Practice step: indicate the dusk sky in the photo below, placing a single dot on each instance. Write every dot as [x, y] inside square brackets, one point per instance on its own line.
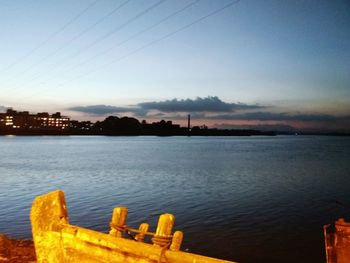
[227, 63]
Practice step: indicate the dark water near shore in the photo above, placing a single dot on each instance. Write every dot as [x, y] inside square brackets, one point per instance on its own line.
[249, 199]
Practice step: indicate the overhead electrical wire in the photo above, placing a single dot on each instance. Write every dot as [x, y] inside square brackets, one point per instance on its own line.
[77, 36]
[111, 32]
[104, 52]
[116, 29]
[151, 43]
[52, 36]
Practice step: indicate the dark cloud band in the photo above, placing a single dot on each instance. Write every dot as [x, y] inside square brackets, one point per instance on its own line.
[269, 116]
[207, 108]
[208, 104]
[101, 109]
[198, 105]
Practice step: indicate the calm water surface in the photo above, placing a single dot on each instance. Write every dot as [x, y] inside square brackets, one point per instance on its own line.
[249, 199]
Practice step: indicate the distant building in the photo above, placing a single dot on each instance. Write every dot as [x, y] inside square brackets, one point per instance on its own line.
[41, 121]
[81, 125]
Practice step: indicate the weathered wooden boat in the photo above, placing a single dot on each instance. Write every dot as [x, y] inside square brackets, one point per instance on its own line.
[56, 240]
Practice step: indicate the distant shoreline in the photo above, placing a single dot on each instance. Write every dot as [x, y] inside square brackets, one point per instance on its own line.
[25, 124]
[219, 134]
[165, 134]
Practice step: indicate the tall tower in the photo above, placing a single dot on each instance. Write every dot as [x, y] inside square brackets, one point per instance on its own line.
[189, 122]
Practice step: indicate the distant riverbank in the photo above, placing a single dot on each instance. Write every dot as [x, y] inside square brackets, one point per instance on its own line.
[180, 132]
[208, 133]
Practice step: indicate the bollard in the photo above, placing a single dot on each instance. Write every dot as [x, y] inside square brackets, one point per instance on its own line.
[143, 229]
[118, 221]
[177, 240]
[162, 236]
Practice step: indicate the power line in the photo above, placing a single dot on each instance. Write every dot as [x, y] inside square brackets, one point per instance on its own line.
[76, 36]
[151, 43]
[50, 37]
[114, 30]
[129, 39]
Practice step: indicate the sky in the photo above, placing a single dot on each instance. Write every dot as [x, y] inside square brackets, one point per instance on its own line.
[228, 63]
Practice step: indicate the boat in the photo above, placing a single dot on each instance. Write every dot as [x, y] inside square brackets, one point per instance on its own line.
[56, 240]
[337, 243]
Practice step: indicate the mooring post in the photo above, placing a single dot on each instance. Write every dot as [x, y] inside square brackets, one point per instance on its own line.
[143, 229]
[176, 241]
[162, 236]
[118, 221]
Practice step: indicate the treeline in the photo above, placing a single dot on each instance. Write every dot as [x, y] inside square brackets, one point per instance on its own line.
[113, 125]
[127, 126]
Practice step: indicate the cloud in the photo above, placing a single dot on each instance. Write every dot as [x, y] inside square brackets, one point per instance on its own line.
[208, 104]
[211, 108]
[101, 109]
[269, 116]
[193, 106]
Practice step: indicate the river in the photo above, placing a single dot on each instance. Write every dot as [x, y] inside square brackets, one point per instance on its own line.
[248, 199]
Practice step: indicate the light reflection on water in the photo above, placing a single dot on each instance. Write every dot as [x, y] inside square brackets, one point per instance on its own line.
[250, 199]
